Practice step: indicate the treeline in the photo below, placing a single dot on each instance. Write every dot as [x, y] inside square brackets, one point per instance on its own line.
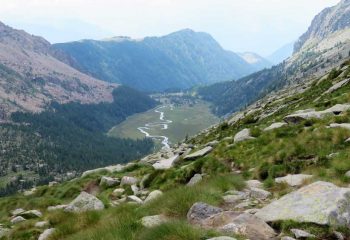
[72, 137]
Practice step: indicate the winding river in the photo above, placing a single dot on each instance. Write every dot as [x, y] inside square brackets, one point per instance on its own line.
[162, 123]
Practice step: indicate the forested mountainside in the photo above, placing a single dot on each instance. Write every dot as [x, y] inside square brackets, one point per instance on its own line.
[324, 46]
[277, 170]
[177, 61]
[30, 77]
[67, 139]
[54, 119]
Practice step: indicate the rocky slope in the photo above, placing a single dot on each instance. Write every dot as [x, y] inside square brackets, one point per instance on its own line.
[30, 77]
[324, 46]
[277, 170]
[179, 60]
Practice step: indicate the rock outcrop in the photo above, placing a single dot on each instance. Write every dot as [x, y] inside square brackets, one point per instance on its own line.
[243, 136]
[293, 180]
[199, 153]
[320, 203]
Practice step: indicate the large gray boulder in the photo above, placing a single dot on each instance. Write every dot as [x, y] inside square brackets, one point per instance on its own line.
[243, 136]
[320, 203]
[17, 219]
[200, 211]
[338, 108]
[199, 153]
[85, 202]
[166, 163]
[293, 180]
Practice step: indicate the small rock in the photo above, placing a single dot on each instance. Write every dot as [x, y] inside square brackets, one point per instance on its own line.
[41, 224]
[85, 202]
[118, 192]
[212, 143]
[259, 193]
[200, 211]
[134, 199]
[17, 211]
[126, 180]
[53, 183]
[302, 234]
[287, 238]
[340, 125]
[46, 234]
[195, 179]
[31, 214]
[222, 238]
[153, 195]
[57, 207]
[243, 136]
[338, 235]
[293, 180]
[254, 184]
[109, 181]
[3, 231]
[347, 140]
[29, 192]
[135, 190]
[153, 221]
[275, 126]
[347, 174]
[17, 219]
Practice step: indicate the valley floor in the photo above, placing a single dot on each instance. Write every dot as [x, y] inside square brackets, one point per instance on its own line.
[186, 120]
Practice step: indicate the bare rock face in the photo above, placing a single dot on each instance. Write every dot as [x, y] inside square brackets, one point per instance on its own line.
[85, 202]
[320, 202]
[126, 180]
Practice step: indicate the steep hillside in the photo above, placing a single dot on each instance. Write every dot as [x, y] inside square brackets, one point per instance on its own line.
[316, 52]
[256, 61]
[277, 170]
[179, 60]
[30, 77]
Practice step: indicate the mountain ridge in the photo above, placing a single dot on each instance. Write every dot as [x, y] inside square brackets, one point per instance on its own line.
[178, 60]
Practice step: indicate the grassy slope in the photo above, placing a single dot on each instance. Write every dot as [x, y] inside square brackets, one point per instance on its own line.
[187, 120]
[301, 148]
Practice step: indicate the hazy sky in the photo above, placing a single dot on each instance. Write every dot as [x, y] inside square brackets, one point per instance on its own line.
[260, 26]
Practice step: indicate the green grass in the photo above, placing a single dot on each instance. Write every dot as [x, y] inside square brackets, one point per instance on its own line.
[187, 120]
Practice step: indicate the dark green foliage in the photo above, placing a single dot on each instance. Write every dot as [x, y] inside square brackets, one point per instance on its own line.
[72, 137]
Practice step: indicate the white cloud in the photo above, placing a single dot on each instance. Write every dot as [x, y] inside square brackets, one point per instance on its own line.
[255, 25]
